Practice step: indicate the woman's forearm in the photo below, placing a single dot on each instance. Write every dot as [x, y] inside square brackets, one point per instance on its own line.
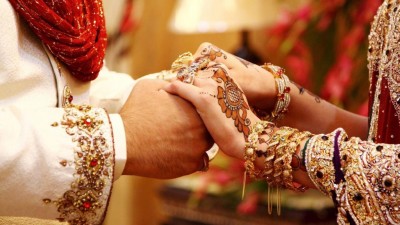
[309, 112]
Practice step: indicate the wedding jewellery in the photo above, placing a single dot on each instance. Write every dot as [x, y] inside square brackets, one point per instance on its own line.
[282, 83]
[278, 147]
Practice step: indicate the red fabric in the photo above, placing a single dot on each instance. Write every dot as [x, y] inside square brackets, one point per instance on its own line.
[388, 124]
[388, 130]
[73, 30]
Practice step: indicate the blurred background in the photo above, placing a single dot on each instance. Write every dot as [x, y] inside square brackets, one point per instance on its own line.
[322, 44]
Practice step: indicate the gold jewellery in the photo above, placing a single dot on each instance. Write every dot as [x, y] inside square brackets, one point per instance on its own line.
[278, 147]
[282, 83]
[181, 63]
[186, 67]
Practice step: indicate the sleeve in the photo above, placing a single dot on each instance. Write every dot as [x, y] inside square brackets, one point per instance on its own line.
[56, 163]
[111, 89]
[362, 177]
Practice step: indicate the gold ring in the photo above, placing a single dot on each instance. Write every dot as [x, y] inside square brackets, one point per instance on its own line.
[183, 61]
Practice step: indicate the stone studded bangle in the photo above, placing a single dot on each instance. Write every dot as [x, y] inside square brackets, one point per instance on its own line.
[282, 83]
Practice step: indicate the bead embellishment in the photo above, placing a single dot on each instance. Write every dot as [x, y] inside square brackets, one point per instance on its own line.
[369, 186]
[383, 60]
[86, 200]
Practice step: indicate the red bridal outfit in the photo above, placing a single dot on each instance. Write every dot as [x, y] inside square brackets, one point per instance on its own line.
[363, 177]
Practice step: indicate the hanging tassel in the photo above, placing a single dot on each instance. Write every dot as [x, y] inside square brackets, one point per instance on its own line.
[244, 184]
[269, 202]
[278, 201]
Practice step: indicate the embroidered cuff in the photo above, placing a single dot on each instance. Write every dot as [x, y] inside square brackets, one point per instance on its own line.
[320, 160]
[370, 192]
[87, 198]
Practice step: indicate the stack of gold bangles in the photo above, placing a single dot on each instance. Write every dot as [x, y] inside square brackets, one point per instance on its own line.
[278, 149]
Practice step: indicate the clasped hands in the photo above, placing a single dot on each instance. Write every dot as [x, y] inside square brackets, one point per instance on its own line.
[212, 82]
[167, 138]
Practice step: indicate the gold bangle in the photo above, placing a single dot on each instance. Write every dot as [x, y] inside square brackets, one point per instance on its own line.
[275, 167]
[282, 83]
[268, 172]
[251, 148]
[294, 142]
[281, 157]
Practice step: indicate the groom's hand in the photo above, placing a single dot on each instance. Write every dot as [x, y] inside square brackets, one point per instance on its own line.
[165, 136]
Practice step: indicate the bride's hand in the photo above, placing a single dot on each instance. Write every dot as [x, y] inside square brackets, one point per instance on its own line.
[257, 83]
[221, 104]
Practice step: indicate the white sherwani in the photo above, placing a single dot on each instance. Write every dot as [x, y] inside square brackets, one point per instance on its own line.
[39, 159]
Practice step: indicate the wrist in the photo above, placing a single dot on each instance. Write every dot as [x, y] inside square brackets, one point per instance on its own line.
[266, 94]
[241, 140]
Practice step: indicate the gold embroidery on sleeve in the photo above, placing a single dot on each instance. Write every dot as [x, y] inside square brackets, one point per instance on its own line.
[86, 200]
[369, 189]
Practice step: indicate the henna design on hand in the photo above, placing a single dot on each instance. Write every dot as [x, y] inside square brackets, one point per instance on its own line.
[207, 93]
[212, 52]
[231, 99]
[245, 62]
[302, 90]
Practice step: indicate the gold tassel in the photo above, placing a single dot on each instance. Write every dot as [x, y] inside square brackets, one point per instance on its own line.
[269, 202]
[244, 184]
[278, 201]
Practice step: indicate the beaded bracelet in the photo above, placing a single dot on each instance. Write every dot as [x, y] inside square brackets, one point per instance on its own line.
[303, 154]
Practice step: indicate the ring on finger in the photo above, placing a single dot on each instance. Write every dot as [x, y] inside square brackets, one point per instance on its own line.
[206, 163]
[212, 152]
[186, 77]
[187, 74]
